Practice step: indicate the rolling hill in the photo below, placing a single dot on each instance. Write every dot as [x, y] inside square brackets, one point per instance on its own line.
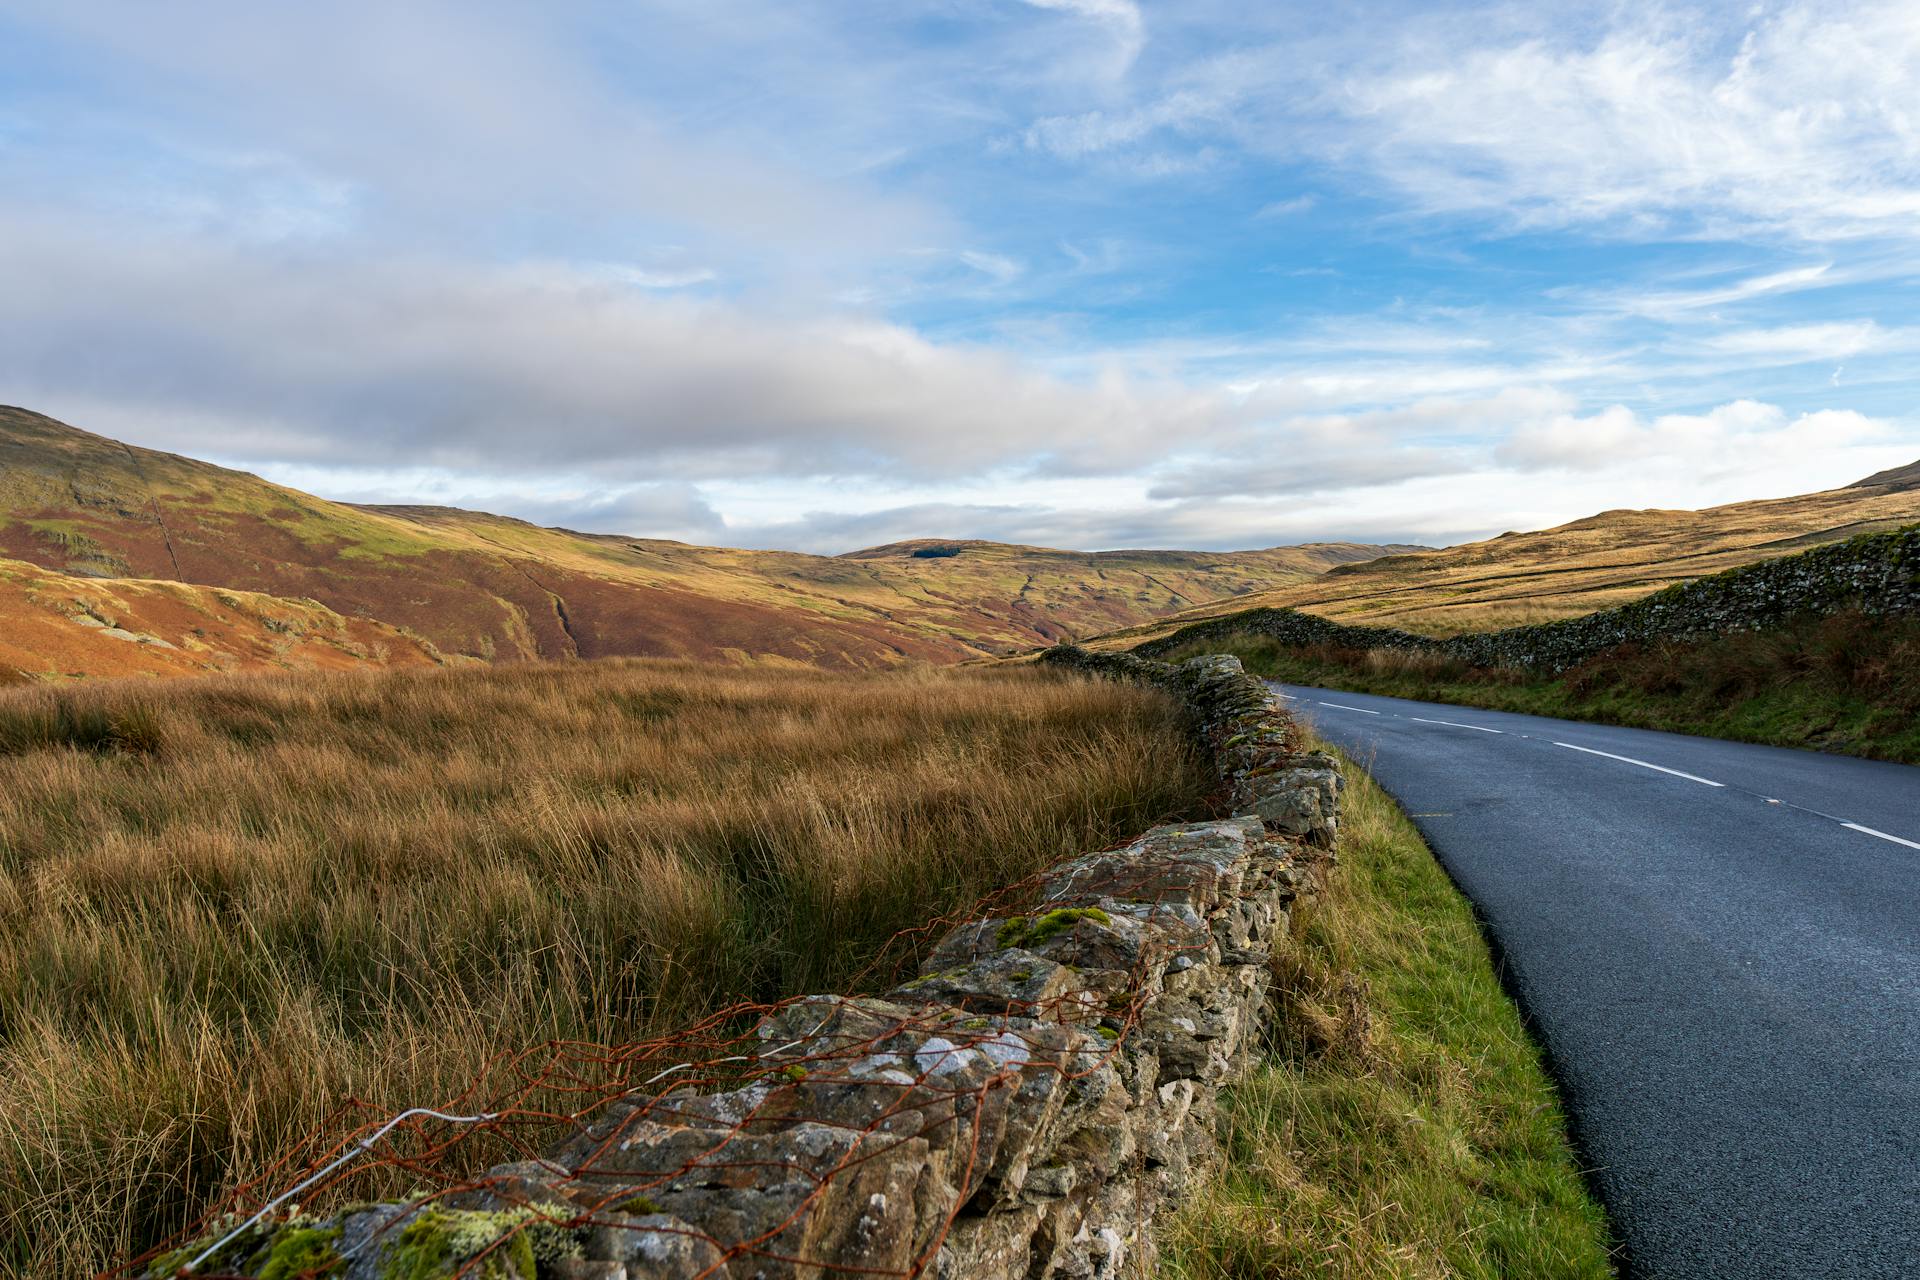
[83, 517]
[65, 625]
[1572, 569]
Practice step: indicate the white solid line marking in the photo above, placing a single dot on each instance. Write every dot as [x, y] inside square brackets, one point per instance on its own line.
[1454, 724]
[1658, 768]
[1869, 831]
[1341, 706]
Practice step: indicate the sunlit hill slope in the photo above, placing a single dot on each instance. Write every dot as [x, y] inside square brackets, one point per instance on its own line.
[84, 518]
[1573, 569]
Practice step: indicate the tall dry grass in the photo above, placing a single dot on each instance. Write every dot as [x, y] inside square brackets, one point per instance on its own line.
[227, 905]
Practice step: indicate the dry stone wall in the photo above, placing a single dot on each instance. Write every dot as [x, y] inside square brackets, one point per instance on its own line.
[1878, 573]
[1018, 1111]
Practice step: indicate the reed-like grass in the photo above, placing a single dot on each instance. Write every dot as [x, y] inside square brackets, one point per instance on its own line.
[227, 905]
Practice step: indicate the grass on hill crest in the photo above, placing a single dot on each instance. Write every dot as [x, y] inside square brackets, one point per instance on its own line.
[1545, 575]
[1403, 1123]
[228, 904]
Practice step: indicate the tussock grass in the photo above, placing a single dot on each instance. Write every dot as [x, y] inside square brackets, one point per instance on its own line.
[1403, 1124]
[1845, 682]
[227, 905]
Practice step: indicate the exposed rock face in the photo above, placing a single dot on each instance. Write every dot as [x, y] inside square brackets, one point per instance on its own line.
[1878, 572]
[1019, 1110]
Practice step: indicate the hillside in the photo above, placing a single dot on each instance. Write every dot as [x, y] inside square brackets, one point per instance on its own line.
[1596, 563]
[1819, 649]
[495, 588]
[57, 624]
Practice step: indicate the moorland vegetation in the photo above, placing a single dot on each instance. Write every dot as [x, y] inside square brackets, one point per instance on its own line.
[227, 904]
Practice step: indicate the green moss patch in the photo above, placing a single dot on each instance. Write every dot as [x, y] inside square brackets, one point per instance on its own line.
[1022, 932]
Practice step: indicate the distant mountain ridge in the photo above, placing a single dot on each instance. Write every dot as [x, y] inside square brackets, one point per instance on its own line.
[420, 583]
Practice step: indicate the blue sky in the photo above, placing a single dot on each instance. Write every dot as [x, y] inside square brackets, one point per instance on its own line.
[1082, 272]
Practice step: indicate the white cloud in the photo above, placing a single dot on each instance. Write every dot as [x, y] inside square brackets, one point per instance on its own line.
[1363, 449]
[1805, 125]
[1822, 342]
[1741, 437]
[659, 277]
[1287, 208]
[470, 367]
[1796, 119]
[998, 266]
[1121, 17]
[458, 112]
[1092, 132]
[1684, 304]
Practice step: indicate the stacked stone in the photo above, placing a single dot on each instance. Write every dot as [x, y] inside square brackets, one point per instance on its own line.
[1020, 1110]
[1252, 743]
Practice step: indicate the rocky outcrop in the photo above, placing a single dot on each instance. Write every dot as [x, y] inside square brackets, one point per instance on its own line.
[1877, 573]
[1018, 1110]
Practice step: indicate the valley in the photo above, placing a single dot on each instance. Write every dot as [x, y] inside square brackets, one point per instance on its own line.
[411, 584]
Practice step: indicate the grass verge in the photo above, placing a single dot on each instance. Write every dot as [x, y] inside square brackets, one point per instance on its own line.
[1846, 683]
[1403, 1123]
[227, 905]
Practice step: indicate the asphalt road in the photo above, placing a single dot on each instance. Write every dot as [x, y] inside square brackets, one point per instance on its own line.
[1721, 955]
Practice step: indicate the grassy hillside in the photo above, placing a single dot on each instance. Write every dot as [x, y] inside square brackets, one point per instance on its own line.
[56, 625]
[490, 587]
[1572, 569]
[1846, 683]
[226, 905]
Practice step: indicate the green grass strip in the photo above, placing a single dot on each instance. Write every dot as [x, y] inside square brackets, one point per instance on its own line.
[1403, 1123]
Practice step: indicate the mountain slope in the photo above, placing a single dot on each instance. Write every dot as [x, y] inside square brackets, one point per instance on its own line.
[495, 588]
[1577, 568]
[1907, 477]
[57, 624]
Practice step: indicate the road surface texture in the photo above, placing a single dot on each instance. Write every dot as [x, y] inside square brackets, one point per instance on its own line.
[1719, 946]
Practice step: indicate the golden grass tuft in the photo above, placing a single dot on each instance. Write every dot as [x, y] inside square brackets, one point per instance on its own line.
[225, 906]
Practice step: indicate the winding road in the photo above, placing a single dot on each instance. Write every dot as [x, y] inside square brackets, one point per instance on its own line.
[1719, 946]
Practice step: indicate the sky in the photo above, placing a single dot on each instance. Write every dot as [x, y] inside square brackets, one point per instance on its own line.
[823, 274]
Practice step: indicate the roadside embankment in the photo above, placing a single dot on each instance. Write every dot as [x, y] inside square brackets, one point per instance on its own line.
[1021, 1109]
[1876, 574]
[1818, 650]
[1846, 683]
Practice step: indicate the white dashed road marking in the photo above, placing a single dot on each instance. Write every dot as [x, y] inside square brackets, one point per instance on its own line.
[1869, 831]
[1643, 764]
[1453, 724]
